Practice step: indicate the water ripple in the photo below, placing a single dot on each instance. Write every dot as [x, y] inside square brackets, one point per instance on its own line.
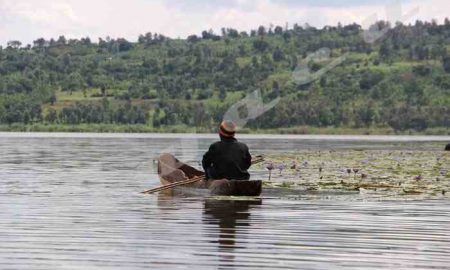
[73, 203]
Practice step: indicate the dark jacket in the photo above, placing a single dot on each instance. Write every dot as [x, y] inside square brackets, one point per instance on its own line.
[227, 159]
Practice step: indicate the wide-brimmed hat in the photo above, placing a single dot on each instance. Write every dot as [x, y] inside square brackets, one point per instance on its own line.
[227, 129]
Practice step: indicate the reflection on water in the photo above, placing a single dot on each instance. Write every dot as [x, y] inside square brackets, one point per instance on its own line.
[73, 202]
[228, 216]
[306, 234]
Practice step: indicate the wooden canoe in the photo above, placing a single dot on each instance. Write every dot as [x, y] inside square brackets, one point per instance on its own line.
[172, 170]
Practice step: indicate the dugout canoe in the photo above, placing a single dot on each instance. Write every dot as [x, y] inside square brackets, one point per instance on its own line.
[171, 170]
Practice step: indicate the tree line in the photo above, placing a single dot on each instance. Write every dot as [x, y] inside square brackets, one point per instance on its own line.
[401, 80]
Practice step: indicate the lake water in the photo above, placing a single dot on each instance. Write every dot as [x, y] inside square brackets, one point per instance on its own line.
[72, 201]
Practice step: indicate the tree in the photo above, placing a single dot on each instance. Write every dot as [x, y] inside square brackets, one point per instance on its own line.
[369, 79]
[242, 50]
[385, 50]
[262, 31]
[446, 64]
[286, 36]
[52, 99]
[210, 35]
[244, 34]
[144, 39]
[255, 62]
[103, 91]
[85, 41]
[278, 55]
[74, 82]
[61, 40]
[40, 43]
[193, 38]
[206, 35]
[275, 90]
[232, 33]
[51, 116]
[15, 44]
[260, 45]
[278, 30]
[124, 45]
[222, 93]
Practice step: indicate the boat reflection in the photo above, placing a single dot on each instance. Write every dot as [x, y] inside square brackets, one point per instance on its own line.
[225, 222]
[231, 218]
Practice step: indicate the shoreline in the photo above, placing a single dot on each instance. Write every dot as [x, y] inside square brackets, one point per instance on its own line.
[302, 130]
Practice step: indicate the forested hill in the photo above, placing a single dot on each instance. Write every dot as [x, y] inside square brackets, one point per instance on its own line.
[401, 80]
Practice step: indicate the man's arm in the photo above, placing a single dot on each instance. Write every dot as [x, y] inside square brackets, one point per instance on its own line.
[207, 158]
[248, 158]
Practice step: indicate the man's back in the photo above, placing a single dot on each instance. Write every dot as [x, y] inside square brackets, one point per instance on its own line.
[227, 159]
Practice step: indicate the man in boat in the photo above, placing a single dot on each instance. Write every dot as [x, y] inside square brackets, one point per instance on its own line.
[227, 158]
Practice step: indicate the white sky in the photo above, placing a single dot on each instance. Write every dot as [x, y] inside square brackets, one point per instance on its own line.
[27, 20]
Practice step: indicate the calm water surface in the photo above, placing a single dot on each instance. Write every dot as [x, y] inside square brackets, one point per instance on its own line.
[72, 201]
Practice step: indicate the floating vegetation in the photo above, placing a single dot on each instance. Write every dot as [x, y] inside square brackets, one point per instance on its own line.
[392, 172]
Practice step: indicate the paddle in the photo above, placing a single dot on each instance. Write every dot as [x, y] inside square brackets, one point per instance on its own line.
[189, 181]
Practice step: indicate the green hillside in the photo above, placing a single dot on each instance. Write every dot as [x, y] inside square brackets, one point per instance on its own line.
[399, 82]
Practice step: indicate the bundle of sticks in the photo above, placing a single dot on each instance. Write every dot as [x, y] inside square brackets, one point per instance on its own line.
[258, 159]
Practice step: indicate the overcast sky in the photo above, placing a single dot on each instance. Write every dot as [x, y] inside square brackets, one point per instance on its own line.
[27, 20]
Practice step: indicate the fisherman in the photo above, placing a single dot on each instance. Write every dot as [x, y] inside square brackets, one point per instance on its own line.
[228, 158]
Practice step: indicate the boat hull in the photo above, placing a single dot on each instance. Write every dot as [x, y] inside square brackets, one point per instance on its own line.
[171, 170]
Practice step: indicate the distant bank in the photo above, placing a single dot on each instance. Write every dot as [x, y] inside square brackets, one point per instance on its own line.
[110, 128]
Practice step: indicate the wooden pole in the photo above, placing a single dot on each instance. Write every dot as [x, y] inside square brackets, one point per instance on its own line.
[175, 184]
